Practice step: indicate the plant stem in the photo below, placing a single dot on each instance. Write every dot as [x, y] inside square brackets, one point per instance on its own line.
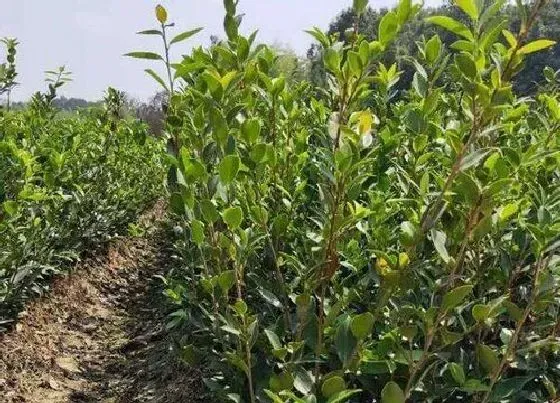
[430, 215]
[250, 373]
[540, 264]
[176, 142]
[320, 325]
[167, 63]
[427, 345]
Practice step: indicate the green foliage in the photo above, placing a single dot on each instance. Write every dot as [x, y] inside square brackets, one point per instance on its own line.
[338, 244]
[413, 34]
[66, 185]
[8, 71]
[161, 17]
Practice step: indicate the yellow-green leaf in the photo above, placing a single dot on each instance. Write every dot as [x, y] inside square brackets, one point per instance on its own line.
[228, 168]
[332, 386]
[161, 14]
[392, 393]
[362, 325]
[508, 210]
[233, 217]
[510, 38]
[536, 46]
[469, 7]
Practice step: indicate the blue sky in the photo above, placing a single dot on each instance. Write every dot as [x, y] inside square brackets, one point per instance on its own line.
[90, 36]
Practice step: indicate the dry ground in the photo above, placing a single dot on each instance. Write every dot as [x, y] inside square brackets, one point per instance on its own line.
[99, 335]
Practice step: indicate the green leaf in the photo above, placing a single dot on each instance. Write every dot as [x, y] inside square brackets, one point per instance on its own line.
[408, 233]
[455, 297]
[491, 11]
[226, 280]
[452, 25]
[319, 36]
[342, 396]
[355, 62]
[388, 28]
[237, 361]
[251, 130]
[404, 10]
[150, 32]
[377, 367]
[209, 211]
[420, 84]
[466, 64]
[433, 49]
[270, 297]
[344, 341]
[439, 238]
[536, 46]
[514, 311]
[10, 207]
[510, 38]
[469, 7]
[156, 77]
[177, 204]
[283, 381]
[473, 159]
[392, 393]
[508, 210]
[474, 385]
[303, 382]
[332, 386]
[332, 60]
[362, 325]
[258, 153]
[457, 372]
[359, 6]
[197, 232]
[273, 339]
[228, 168]
[194, 170]
[185, 35]
[506, 389]
[480, 312]
[233, 217]
[144, 55]
[487, 358]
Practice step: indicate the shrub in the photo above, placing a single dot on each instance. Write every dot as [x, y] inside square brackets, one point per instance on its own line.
[66, 184]
[342, 245]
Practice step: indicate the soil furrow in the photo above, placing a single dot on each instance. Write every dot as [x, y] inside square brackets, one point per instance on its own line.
[99, 335]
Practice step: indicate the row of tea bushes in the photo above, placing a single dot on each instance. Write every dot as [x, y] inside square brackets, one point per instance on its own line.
[66, 184]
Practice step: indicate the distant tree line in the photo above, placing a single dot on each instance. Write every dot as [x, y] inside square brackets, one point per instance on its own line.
[150, 112]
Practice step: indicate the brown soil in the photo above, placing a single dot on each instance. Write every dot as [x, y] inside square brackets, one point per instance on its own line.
[99, 335]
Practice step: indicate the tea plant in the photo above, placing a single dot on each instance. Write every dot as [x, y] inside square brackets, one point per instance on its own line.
[66, 185]
[8, 71]
[339, 244]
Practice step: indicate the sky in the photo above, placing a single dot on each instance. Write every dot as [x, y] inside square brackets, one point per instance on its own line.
[91, 36]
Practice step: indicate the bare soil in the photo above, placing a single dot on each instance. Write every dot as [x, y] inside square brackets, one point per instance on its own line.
[99, 335]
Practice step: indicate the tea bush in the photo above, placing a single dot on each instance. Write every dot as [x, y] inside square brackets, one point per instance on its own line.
[66, 184]
[342, 244]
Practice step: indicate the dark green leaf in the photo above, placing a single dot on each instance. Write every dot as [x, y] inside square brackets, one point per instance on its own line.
[144, 55]
[455, 297]
[184, 36]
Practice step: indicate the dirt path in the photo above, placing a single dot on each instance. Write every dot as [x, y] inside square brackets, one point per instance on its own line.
[99, 335]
